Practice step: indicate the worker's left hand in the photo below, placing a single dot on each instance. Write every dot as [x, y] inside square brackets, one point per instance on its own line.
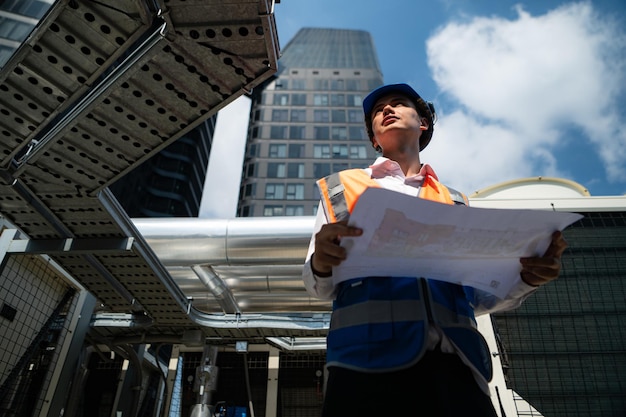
[539, 270]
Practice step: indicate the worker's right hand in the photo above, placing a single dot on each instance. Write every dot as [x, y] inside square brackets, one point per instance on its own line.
[328, 252]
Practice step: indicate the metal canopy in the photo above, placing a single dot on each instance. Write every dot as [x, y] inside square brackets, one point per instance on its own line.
[98, 88]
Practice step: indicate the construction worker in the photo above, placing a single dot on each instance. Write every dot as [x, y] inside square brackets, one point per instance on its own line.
[404, 345]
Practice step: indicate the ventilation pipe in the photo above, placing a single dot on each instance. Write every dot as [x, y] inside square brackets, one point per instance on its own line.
[239, 241]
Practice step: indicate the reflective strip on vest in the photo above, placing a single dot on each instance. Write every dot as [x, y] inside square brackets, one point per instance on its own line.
[446, 317]
[385, 311]
[458, 197]
[377, 312]
[337, 198]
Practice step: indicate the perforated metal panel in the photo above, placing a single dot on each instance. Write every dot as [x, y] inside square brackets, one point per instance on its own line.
[97, 89]
[67, 54]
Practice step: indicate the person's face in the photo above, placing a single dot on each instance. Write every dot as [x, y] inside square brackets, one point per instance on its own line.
[394, 117]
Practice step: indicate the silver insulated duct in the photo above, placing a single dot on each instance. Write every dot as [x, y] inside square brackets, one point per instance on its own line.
[236, 266]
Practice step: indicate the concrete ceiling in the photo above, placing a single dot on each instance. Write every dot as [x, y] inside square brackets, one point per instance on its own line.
[98, 88]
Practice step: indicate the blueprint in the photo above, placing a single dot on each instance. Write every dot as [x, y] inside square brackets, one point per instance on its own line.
[408, 236]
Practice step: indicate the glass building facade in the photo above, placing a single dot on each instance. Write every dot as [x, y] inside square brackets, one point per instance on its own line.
[564, 349]
[169, 184]
[307, 122]
[17, 20]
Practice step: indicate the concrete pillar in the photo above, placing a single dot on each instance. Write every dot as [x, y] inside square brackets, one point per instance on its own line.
[273, 364]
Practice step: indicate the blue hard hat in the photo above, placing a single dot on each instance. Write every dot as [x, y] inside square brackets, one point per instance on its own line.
[372, 98]
[408, 91]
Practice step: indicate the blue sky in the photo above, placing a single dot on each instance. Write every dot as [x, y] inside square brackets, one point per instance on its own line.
[522, 89]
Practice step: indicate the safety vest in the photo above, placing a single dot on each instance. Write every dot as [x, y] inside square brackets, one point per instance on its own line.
[381, 323]
[340, 191]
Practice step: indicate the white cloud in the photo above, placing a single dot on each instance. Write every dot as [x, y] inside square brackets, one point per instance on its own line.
[471, 155]
[519, 83]
[220, 195]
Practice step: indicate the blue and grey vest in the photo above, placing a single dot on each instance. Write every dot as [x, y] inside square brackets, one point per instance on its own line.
[381, 323]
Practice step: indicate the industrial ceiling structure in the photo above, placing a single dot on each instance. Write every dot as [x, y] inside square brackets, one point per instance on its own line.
[98, 88]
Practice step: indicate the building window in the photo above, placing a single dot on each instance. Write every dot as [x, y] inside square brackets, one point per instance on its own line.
[294, 211]
[320, 116]
[274, 191]
[280, 115]
[321, 151]
[355, 116]
[339, 116]
[281, 99]
[339, 133]
[278, 132]
[32, 8]
[337, 100]
[298, 115]
[295, 191]
[352, 85]
[337, 85]
[356, 133]
[354, 100]
[320, 100]
[296, 151]
[298, 99]
[269, 211]
[14, 30]
[250, 190]
[282, 84]
[296, 132]
[340, 151]
[321, 85]
[277, 150]
[275, 170]
[358, 152]
[252, 150]
[295, 170]
[321, 170]
[340, 167]
[321, 132]
[250, 170]
[298, 84]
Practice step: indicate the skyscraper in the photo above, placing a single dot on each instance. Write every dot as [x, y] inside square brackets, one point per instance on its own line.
[307, 121]
[170, 184]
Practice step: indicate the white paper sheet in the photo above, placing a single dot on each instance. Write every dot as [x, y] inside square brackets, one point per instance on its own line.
[408, 236]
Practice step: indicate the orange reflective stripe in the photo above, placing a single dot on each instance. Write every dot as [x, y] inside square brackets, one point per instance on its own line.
[355, 182]
[325, 197]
